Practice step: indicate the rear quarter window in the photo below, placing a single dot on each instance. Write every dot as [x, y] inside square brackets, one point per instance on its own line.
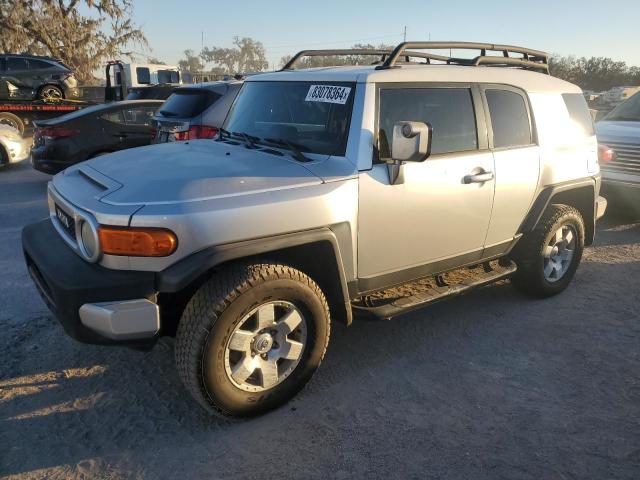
[188, 103]
[579, 112]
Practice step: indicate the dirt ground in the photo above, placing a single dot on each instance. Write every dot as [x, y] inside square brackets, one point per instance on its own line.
[488, 385]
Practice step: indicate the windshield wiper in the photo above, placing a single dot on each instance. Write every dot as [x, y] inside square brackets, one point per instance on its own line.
[294, 147]
[249, 140]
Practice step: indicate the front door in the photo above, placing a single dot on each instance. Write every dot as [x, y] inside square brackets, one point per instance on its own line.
[433, 216]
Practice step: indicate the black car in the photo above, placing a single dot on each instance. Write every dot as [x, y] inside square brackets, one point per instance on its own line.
[29, 77]
[92, 131]
[194, 111]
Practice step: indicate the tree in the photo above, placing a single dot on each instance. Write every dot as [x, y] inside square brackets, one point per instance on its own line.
[246, 55]
[595, 73]
[191, 63]
[57, 28]
[155, 60]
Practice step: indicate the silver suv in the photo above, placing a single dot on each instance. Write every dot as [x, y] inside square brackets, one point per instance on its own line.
[325, 190]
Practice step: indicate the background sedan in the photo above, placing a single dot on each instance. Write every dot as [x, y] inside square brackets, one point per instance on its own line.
[83, 134]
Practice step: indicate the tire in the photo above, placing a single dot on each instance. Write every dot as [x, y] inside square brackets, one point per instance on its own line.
[50, 92]
[545, 268]
[12, 120]
[233, 301]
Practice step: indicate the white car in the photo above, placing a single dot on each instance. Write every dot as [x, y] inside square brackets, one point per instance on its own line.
[13, 147]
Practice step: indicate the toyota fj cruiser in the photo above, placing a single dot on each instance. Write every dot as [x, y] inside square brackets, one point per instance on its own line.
[325, 189]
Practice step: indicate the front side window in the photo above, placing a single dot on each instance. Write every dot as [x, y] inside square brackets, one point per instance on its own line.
[509, 119]
[314, 116]
[449, 111]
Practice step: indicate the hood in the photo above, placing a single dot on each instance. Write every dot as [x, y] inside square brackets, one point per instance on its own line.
[196, 170]
[618, 131]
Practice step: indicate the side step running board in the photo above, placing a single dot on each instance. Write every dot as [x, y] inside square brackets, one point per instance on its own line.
[390, 303]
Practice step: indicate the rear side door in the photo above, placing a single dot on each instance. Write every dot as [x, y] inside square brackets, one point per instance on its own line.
[516, 155]
[18, 76]
[129, 126]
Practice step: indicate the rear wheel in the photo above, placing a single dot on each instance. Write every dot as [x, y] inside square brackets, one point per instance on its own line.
[51, 92]
[548, 257]
[251, 337]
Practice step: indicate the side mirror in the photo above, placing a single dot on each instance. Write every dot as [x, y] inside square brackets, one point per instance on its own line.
[411, 143]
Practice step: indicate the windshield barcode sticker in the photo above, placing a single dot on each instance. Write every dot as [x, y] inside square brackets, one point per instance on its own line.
[328, 94]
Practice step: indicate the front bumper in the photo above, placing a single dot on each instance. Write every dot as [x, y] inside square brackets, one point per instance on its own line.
[94, 304]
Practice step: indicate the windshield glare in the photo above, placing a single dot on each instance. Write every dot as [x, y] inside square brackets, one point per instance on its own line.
[288, 111]
[629, 110]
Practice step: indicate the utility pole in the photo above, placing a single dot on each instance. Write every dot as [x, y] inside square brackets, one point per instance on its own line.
[405, 33]
[201, 40]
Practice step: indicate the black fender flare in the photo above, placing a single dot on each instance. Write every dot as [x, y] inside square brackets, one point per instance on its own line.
[183, 273]
[548, 194]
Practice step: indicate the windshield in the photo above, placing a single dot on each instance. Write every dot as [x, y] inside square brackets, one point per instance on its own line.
[629, 110]
[312, 115]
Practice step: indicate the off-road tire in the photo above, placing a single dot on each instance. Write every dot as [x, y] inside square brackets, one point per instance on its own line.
[529, 253]
[211, 316]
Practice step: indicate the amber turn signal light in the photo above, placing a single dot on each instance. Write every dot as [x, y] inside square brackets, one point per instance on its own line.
[137, 242]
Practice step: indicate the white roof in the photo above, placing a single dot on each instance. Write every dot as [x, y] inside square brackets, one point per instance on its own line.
[527, 80]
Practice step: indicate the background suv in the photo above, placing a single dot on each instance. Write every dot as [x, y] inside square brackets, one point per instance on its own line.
[619, 146]
[197, 111]
[31, 77]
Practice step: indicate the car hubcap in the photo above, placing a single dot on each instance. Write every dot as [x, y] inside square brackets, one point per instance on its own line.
[266, 346]
[558, 253]
[51, 93]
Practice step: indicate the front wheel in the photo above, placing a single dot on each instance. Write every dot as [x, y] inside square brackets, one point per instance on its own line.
[548, 257]
[251, 337]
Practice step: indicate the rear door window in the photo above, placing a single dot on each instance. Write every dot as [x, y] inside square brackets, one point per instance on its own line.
[38, 64]
[509, 118]
[449, 111]
[139, 116]
[188, 103]
[17, 63]
[579, 112]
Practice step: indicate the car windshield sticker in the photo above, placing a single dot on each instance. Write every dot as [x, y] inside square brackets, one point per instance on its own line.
[328, 94]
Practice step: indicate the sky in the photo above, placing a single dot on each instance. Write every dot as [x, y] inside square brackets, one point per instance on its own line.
[565, 27]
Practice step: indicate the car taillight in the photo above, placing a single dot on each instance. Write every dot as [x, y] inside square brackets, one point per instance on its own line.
[154, 133]
[606, 154]
[195, 132]
[56, 132]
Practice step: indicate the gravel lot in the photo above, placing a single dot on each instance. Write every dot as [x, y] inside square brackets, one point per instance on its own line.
[489, 385]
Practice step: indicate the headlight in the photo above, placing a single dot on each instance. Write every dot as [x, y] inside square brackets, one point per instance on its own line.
[88, 241]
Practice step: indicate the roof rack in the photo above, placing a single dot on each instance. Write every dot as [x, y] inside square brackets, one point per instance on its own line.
[383, 54]
[530, 59]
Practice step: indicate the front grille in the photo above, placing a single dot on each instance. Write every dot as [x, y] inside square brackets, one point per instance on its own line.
[627, 158]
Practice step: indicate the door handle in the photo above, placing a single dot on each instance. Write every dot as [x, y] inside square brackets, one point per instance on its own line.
[477, 178]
